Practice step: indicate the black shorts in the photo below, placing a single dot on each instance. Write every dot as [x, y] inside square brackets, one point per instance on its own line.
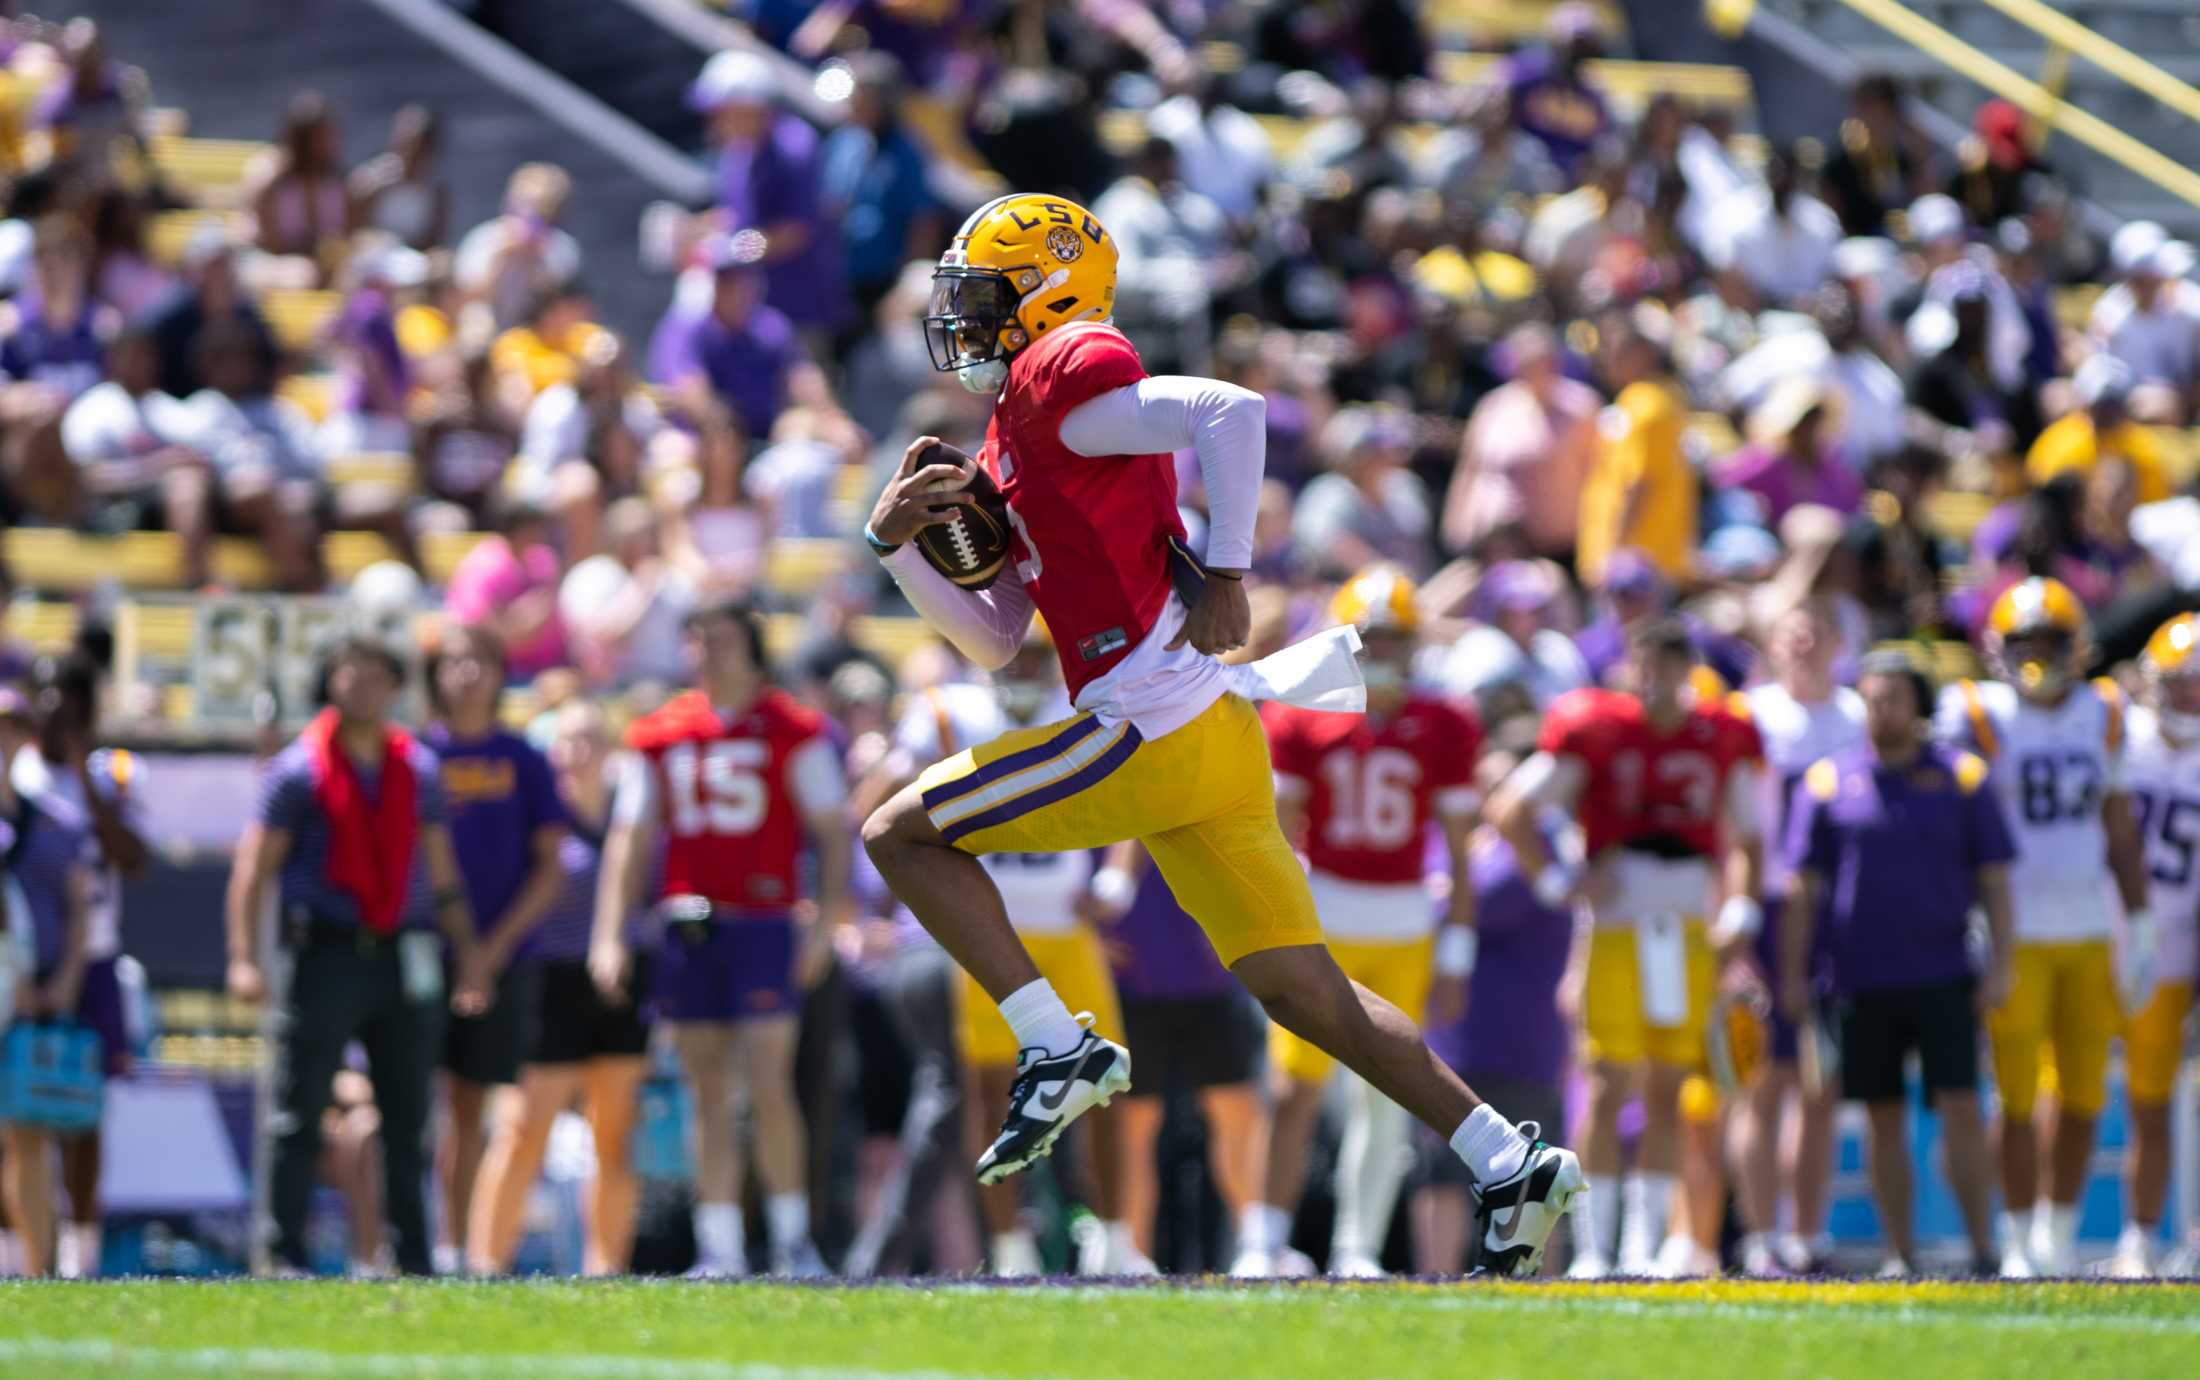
[884, 1065]
[1879, 1030]
[1437, 1164]
[573, 1022]
[1196, 1042]
[487, 1049]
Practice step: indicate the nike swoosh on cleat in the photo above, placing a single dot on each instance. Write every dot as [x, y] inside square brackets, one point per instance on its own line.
[1505, 1231]
[1061, 1094]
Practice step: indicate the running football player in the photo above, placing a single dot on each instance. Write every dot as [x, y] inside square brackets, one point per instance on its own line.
[1049, 898]
[1665, 784]
[1361, 795]
[2055, 744]
[1166, 746]
[737, 779]
[2163, 767]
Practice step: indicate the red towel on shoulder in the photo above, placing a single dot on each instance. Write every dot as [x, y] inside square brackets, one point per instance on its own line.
[370, 842]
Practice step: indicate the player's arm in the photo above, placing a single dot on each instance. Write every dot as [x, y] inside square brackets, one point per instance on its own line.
[820, 791]
[1546, 781]
[1797, 919]
[1457, 942]
[1226, 427]
[260, 853]
[2126, 850]
[1992, 884]
[626, 846]
[1740, 914]
[1114, 883]
[536, 895]
[471, 992]
[987, 626]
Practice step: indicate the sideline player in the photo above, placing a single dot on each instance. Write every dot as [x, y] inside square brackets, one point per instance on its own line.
[1166, 746]
[2163, 767]
[1664, 782]
[1049, 900]
[2056, 748]
[1802, 715]
[1360, 794]
[736, 777]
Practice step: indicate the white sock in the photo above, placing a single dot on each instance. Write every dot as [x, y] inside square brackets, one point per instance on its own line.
[1649, 1199]
[2016, 1233]
[719, 1239]
[787, 1219]
[1275, 1230]
[1600, 1218]
[89, 1244]
[1122, 1245]
[2138, 1239]
[1015, 1253]
[1040, 1020]
[1493, 1147]
[1252, 1229]
[2062, 1227]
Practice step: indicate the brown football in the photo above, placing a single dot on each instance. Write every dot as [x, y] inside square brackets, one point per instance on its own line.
[971, 547]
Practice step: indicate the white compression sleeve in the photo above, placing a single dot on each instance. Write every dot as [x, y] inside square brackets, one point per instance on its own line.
[1225, 425]
[986, 625]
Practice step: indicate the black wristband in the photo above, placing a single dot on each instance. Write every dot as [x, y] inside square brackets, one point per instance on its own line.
[1238, 576]
[879, 548]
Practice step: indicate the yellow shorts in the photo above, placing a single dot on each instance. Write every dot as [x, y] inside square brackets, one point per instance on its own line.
[1399, 973]
[1077, 967]
[1201, 799]
[2154, 1044]
[2062, 1001]
[1617, 1032]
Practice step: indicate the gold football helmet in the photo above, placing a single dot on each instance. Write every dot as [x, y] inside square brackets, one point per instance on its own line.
[1020, 266]
[2171, 663]
[2047, 620]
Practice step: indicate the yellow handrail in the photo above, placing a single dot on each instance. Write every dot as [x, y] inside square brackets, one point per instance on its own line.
[2027, 95]
[2116, 60]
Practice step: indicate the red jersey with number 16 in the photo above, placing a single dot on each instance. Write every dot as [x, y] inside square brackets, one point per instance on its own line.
[1373, 784]
[731, 827]
[1093, 536]
[1644, 786]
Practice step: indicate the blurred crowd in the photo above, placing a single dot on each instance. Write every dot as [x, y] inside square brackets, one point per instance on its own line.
[1567, 365]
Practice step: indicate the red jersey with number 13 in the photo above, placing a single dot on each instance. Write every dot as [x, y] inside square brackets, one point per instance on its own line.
[728, 816]
[1373, 784]
[1647, 786]
[1093, 535]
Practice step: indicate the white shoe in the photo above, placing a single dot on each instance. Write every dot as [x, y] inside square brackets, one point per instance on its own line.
[2015, 1264]
[2180, 1262]
[1089, 1235]
[2134, 1257]
[1354, 1265]
[717, 1269]
[1636, 1260]
[1124, 1257]
[1803, 1257]
[800, 1262]
[1253, 1265]
[1015, 1255]
[1515, 1216]
[2056, 1262]
[447, 1260]
[1895, 1268]
[1590, 1265]
[1759, 1258]
[1682, 1258]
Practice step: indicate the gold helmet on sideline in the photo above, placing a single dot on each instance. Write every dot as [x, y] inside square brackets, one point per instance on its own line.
[2043, 612]
[1021, 266]
[2171, 663]
[1378, 599]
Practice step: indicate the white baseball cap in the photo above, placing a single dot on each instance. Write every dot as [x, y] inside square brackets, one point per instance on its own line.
[1934, 218]
[734, 77]
[2132, 249]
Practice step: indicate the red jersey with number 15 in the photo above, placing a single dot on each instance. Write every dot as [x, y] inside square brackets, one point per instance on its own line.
[1093, 536]
[1372, 785]
[1644, 786]
[732, 830]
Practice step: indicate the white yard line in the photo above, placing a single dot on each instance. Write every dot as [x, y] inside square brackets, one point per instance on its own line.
[287, 1361]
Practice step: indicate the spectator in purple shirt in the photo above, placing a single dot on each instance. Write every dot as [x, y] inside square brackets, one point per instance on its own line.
[95, 103]
[1550, 96]
[506, 823]
[1790, 458]
[48, 846]
[583, 1047]
[771, 176]
[1193, 1025]
[744, 350]
[1892, 844]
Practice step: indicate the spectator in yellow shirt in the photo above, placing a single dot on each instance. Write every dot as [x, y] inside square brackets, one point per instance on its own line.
[548, 348]
[2100, 425]
[1640, 490]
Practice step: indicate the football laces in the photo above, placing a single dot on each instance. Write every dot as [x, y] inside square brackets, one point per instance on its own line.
[958, 532]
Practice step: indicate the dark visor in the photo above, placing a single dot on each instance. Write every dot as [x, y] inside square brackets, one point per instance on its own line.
[962, 324]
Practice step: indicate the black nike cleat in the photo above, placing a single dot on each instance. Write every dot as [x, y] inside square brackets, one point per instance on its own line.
[1050, 1092]
[1515, 1215]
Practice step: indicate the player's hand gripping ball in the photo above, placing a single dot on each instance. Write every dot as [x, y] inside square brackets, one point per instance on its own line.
[943, 501]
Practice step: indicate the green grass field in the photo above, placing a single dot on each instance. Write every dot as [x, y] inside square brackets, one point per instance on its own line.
[657, 1331]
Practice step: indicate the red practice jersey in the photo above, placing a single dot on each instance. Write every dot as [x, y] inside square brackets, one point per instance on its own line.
[1373, 785]
[1644, 786]
[1093, 536]
[727, 812]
